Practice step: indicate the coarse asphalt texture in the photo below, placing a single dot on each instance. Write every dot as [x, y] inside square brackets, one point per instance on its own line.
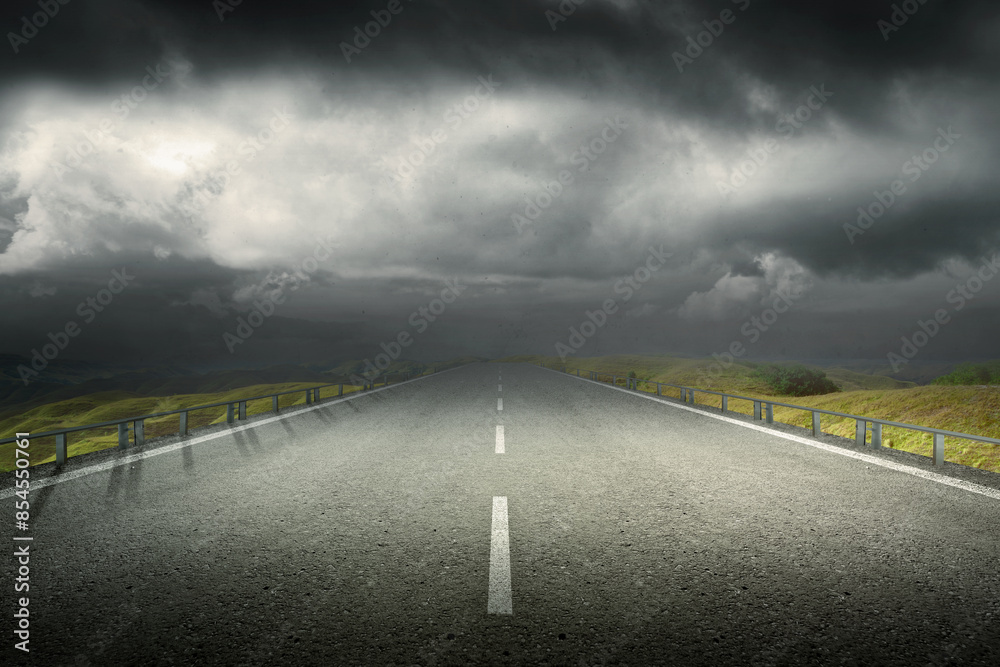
[640, 533]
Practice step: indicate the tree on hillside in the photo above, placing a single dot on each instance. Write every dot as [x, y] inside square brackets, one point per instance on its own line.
[795, 380]
[973, 374]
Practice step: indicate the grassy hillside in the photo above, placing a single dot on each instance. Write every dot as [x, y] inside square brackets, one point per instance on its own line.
[139, 393]
[151, 383]
[973, 374]
[853, 381]
[676, 370]
[955, 408]
[105, 406]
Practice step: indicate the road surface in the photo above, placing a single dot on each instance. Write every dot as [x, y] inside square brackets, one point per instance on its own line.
[389, 529]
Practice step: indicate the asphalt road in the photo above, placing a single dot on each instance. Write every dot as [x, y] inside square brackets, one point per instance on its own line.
[359, 533]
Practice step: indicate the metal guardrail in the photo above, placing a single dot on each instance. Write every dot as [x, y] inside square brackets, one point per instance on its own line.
[236, 409]
[765, 407]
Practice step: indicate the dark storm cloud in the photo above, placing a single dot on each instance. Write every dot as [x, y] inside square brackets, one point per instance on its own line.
[657, 184]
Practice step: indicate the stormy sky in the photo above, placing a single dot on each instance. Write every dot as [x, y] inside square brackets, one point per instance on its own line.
[675, 169]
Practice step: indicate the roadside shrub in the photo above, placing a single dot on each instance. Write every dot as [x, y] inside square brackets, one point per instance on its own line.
[794, 380]
[972, 374]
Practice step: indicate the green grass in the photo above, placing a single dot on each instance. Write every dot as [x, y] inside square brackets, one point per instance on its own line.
[107, 406]
[954, 408]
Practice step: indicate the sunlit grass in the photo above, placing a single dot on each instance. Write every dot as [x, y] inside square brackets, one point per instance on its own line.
[963, 409]
[108, 406]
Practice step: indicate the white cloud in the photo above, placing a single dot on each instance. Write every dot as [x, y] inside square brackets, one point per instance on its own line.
[729, 295]
[733, 296]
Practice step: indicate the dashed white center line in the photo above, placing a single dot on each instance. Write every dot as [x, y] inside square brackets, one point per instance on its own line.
[500, 596]
[499, 387]
[500, 404]
[500, 443]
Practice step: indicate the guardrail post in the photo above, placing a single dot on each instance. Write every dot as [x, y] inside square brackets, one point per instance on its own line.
[860, 431]
[578, 372]
[274, 404]
[938, 449]
[659, 389]
[60, 449]
[684, 395]
[309, 396]
[229, 413]
[243, 410]
[183, 430]
[317, 393]
[725, 403]
[123, 435]
[756, 411]
[340, 391]
[614, 380]
[876, 435]
[139, 429]
[770, 413]
[817, 431]
[691, 396]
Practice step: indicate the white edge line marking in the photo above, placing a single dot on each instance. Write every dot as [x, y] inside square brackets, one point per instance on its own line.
[500, 441]
[500, 595]
[500, 404]
[132, 458]
[867, 458]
